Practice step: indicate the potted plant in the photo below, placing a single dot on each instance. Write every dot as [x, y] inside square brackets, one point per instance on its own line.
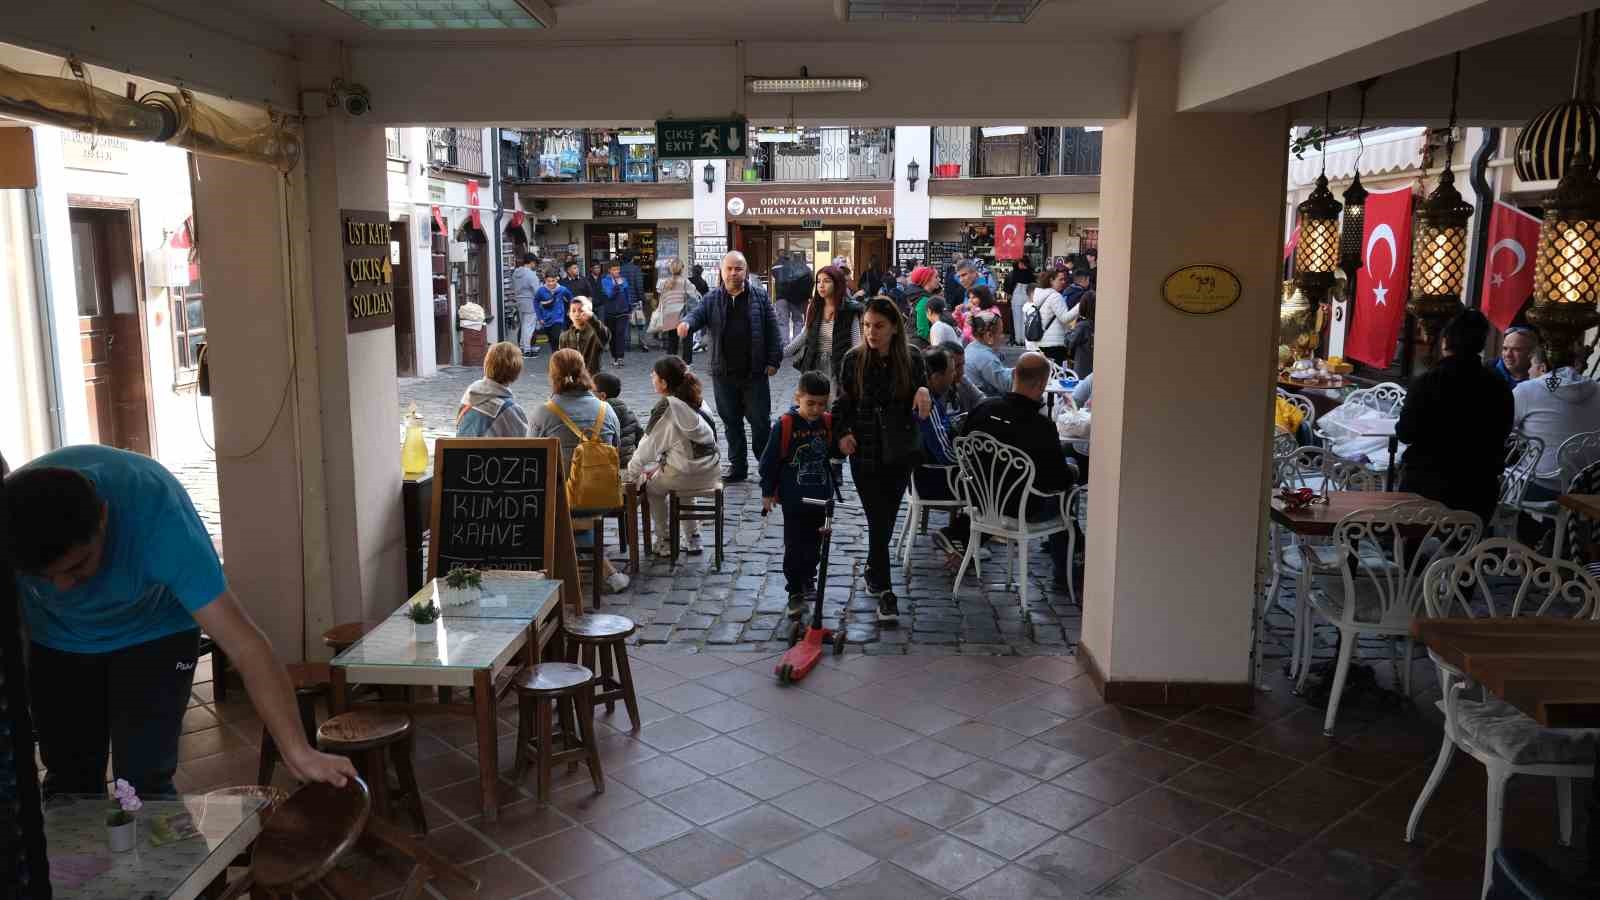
[122, 829]
[461, 586]
[425, 618]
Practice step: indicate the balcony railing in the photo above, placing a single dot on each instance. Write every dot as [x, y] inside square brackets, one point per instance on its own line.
[960, 152]
[820, 154]
[391, 142]
[456, 148]
[593, 155]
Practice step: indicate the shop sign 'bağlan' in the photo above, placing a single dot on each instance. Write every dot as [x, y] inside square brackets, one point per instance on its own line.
[369, 276]
[1201, 290]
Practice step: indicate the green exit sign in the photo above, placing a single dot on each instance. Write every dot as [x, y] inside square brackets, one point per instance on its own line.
[702, 139]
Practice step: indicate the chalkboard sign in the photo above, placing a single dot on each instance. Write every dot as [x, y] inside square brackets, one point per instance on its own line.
[944, 253]
[909, 253]
[494, 503]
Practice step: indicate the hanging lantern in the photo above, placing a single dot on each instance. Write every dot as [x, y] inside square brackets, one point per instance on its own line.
[1439, 255]
[1555, 136]
[1566, 279]
[1352, 232]
[1316, 254]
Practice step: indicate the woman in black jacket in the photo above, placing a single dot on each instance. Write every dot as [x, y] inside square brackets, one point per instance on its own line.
[882, 392]
[833, 326]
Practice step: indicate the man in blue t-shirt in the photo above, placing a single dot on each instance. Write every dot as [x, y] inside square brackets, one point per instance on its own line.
[117, 576]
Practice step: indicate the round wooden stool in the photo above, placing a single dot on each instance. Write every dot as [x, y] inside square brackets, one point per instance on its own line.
[599, 641]
[306, 837]
[311, 683]
[363, 736]
[561, 690]
[339, 638]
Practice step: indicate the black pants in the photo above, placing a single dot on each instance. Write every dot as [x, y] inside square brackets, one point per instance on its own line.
[133, 698]
[552, 336]
[679, 347]
[881, 488]
[1057, 355]
[739, 402]
[802, 546]
[618, 326]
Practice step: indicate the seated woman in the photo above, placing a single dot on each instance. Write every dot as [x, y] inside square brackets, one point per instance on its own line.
[487, 408]
[572, 391]
[987, 372]
[679, 449]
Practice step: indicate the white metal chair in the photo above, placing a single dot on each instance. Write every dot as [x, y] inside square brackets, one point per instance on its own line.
[1283, 444]
[1302, 403]
[917, 515]
[1574, 543]
[1078, 514]
[997, 481]
[1387, 398]
[1382, 599]
[1477, 585]
[1322, 471]
[1522, 458]
[1059, 371]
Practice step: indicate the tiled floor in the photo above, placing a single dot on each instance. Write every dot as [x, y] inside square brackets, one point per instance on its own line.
[934, 776]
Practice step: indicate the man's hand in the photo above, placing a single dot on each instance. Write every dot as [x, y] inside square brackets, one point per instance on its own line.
[310, 765]
[923, 403]
[767, 503]
[847, 445]
[683, 329]
[771, 371]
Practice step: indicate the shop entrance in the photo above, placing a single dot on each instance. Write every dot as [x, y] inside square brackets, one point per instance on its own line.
[405, 321]
[857, 246]
[608, 242]
[116, 372]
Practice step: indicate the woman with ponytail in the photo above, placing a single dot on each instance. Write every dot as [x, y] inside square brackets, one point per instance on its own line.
[679, 449]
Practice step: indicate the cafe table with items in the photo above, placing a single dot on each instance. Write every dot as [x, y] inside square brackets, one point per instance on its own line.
[181, 845]
[480, 645]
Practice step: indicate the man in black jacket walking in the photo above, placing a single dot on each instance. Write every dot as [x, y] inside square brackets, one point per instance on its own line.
[1016, 419]
[745, 352]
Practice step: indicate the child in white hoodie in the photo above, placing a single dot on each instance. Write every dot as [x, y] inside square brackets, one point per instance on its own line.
[678, 451]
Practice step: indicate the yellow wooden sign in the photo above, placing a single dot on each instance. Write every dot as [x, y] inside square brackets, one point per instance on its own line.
[1201, 290]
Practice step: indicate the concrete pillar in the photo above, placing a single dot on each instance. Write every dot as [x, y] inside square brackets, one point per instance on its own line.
[911, 206]
[414, 143]
[1181, 403]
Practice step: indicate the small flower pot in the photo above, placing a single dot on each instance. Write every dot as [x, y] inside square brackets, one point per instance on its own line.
[461, 596]
[123, 837]
[429, 633]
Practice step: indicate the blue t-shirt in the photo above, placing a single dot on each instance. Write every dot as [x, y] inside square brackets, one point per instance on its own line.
[158, 567]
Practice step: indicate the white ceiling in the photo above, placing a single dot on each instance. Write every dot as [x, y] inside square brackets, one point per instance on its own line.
[276, 23]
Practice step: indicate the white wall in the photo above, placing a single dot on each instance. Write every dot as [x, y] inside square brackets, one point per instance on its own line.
[912, 207]
[710, 207]
[26, 373]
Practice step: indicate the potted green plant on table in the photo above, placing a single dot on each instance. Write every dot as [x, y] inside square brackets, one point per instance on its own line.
[122, 829]
[424, 618]
[462, 585]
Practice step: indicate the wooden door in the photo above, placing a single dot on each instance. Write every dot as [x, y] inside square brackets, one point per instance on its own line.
[870, 245]
[110, 328]
[405, 318]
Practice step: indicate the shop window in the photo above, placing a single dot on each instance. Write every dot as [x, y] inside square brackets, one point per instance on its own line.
[188, 330]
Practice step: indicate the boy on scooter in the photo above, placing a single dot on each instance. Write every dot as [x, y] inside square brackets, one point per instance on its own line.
[795, 468]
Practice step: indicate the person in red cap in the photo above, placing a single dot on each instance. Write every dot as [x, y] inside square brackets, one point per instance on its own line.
[924, 284]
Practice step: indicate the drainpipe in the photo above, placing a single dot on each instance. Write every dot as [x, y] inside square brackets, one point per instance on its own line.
[1483, 209]
[499, 235]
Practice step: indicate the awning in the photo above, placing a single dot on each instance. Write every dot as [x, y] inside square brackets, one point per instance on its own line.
[1386, 150]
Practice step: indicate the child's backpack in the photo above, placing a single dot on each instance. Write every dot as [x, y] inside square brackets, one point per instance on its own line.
[786, 434]
[594, 480]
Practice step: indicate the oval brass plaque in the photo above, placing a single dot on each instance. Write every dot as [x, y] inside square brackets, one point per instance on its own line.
[1201, 290]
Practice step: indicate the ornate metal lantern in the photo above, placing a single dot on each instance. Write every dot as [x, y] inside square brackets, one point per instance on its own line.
[1316, 255]
[1566, 279]
[1439, 254]
[1352, 232]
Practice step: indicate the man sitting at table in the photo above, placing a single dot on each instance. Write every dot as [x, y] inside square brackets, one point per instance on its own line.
[1516, 355]
[1553, 406]
[117, 576]
[1016, 419]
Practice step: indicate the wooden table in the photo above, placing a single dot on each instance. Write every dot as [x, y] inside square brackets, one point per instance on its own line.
[1319, 519]
[181, 870]
[480, 645]
[1582, 504]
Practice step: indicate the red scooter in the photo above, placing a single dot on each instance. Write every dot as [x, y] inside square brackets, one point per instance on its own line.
[805, 652]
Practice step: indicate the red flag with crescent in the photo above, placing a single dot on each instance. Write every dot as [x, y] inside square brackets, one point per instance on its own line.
[472, 201]
[1384, 280]
[1008, 232]
[1508, 276]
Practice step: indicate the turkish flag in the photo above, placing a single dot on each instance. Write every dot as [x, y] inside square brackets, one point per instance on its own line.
[1008, 232]
[1508, 280]
[472, 201]
[1384, 280]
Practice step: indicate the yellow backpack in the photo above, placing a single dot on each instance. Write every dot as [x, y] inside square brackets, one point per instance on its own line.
[594, 479]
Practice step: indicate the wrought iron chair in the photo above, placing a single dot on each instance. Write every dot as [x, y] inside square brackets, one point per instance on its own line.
[1078, 515]
[1479, 584]
[1059, 371]
[1580, 541]
[917, 515]
[1302, 403]
[1575, 454]
[1382, 599]
[997, 480]
[1522, 458]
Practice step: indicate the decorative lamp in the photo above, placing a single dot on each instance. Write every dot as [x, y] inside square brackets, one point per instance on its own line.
[709, 176]
[1353, 231]
[1316, 254]
[913, 172]
[1571, 128]
[1566, 274]
[1439, 254]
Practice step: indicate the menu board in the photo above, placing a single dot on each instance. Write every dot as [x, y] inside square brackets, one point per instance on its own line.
[494, 503]
[944, 253]
[909, 253]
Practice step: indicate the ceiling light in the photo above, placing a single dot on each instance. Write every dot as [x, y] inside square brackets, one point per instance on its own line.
[1001, 11]
[805, 84]
[1094, 128]
[448, 15]
[1439, 243]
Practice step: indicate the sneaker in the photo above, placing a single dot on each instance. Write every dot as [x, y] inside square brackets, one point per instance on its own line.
[695, 547]
[617, 583]
[797, 604]
[888, 608]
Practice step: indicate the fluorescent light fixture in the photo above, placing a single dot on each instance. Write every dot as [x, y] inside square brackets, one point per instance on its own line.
[448, 15]
[649, 138]
[778, 137]
[807, 85]
[1004, 130]
[1094, 128]
[1000, 11]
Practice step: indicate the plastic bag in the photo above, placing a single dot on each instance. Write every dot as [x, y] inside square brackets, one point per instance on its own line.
[1072, 423]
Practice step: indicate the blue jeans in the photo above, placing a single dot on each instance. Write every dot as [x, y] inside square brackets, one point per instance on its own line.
[738, 403]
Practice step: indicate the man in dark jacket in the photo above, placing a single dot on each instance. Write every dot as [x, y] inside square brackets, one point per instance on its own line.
[794, 293]
[745, 352]
[577, 283]
[618, 298]
[1016, 419]
[1455, 421]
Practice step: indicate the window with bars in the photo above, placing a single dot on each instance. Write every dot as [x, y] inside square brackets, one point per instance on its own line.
[188, 328]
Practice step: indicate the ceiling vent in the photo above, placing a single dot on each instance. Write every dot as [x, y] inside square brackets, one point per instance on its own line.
[987, 11]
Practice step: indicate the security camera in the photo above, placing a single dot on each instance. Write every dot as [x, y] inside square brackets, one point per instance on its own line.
[351, 98]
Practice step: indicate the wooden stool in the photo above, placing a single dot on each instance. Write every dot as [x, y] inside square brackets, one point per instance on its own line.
[684, 507]
[303, 841]
[363, 736]
[311, 681]
[341, 637]
[599, 643]
[561, 690]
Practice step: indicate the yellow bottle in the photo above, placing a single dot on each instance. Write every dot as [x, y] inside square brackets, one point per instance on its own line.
[414, 453]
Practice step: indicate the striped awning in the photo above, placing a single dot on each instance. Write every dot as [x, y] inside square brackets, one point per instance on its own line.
[1386, 150]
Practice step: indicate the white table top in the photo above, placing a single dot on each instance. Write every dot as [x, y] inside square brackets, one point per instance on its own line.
[505, 595]
[75, 827]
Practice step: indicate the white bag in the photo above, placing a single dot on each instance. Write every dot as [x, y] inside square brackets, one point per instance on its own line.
[1072, 424]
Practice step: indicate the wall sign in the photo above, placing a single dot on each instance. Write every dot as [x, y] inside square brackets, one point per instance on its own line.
[909, 253]
[1010, 205]
[101, 154]
[809, 203]
[368, 274]
[616, 208]
[709, 251]
[810, 223]
[493, 503]
[1201, 290]
[944, 253]
[703, 139]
